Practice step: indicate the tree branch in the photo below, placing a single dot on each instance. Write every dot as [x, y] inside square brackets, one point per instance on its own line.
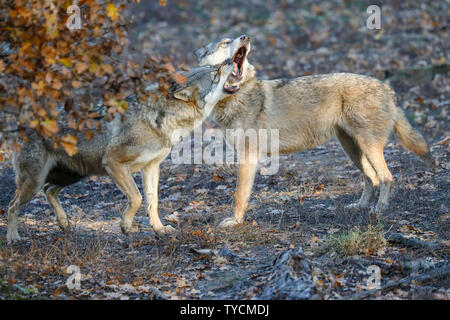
[438, 272]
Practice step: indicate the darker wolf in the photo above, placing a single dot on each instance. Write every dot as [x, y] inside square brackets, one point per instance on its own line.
[139, 141]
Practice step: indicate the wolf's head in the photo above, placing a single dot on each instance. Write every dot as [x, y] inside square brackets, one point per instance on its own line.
[205, 85]
[237, 50]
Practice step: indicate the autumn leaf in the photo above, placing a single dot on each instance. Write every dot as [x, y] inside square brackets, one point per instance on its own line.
[77, 84]
[80, 67]
[94, 115]
[123, 106]
[38, 85]
[93, 67]
[111, 11]
[13, 13]
[197, 233]
[70, 148]
[300, 199]
[70, 138]
[66, 62]
[57, 292]
[107, 68]
[162, 3]
[57, 85]
[49, 77]
[51, 126]
[16, 146]
[339, 281]
[24, 12]
[179, 78]
[217, 178]
[444, 141]
[88, 134]
[34, 124]
[169, 67]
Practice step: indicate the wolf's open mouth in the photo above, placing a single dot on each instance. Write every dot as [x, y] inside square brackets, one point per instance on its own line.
[238, 72]
[238, 61]
[230, 88]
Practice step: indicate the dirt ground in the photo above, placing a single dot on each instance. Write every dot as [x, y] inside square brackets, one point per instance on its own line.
[302, 205]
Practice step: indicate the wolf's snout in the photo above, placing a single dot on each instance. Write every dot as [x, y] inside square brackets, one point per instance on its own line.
[244, 38]
[226, 65]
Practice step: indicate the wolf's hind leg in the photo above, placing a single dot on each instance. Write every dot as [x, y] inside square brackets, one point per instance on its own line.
[371, 180]
[26, 190]
[373, 150]
[52, 194]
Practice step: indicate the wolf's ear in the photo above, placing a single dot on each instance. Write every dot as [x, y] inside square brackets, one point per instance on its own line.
[200, 53]
[183, 94]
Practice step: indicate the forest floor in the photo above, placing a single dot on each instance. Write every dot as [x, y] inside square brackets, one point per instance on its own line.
[300, 206]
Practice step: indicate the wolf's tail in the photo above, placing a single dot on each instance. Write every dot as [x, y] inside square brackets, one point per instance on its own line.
[411, 139]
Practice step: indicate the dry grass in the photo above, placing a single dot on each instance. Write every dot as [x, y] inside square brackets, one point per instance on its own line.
[357, 241]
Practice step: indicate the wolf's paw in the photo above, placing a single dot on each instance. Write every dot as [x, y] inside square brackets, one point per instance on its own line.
[163, 230]
[12, 237]
[125, 227]
[64, 225]
[379, 208]
[228, 222]
[356, 206]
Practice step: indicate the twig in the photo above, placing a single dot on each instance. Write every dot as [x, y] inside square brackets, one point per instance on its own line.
[157, 294]
[9, 131]
[10, 112]
[410, 242]
[443, 271]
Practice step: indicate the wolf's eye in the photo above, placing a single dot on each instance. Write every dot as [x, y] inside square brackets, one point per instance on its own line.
[225, 44]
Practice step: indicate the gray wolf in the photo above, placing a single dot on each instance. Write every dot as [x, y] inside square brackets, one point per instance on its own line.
[139, 141]
[361, 111]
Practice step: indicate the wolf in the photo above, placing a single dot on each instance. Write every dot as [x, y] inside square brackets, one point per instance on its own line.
[139, 141]
[360, 111]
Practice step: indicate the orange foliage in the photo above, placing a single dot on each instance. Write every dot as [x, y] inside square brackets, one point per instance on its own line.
[44, 65]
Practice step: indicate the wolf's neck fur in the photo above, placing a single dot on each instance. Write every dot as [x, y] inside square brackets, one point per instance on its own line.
[228, 110]
[166, 115]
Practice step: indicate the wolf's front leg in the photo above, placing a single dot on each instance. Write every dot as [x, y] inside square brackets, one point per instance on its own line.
[150, 177]
[245, 181]
[121, 175]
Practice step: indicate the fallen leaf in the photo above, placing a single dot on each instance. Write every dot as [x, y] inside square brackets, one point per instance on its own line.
[66, 62]
[111, 11]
